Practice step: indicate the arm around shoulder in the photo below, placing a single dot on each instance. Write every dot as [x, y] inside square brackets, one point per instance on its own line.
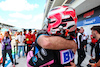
[55, 43]
[43, 41]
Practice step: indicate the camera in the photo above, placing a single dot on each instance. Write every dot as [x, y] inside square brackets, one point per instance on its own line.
[91, 61]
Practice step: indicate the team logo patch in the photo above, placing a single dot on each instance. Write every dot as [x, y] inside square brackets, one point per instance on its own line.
[34, 59]
[66, 56]
[43, 52]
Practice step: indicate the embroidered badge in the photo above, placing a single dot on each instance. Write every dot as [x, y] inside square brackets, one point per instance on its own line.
[66, 56]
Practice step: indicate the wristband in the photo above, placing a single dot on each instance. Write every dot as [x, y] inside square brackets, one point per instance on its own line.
[95, 65]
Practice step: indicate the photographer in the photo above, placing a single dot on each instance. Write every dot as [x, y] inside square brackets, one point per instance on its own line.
[6, 47]
[96, 34]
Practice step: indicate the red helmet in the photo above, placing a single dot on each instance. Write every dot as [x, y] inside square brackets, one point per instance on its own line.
[61, 17]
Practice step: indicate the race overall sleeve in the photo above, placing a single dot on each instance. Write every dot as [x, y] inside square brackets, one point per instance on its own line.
[43, 57]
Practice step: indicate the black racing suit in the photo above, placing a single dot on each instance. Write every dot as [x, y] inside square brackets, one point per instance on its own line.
[97, 51]
[81, 52]
[48, 56]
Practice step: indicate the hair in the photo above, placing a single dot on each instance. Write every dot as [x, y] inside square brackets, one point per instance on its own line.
[96, 28]
[20, 31]
[35, 31]
[8, 32]
[82, 27]
[78, 29]
[24, 30]
[30, 30]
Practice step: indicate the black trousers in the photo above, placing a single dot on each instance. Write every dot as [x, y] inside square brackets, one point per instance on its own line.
[4, 55]
[29, 47]
[81, 55]
[85, 43]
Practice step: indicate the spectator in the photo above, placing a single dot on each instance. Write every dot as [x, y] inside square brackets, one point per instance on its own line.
[35, 33]
[25, 40]
[85, 37]
[77, 31]
[1, 36]
[96, 34]
[80, 50]
[15, 34]
[21, 42]
[24, 32]
[6, 47]
[18, 33]
[29, 40]
[34, 37]
[93, 41]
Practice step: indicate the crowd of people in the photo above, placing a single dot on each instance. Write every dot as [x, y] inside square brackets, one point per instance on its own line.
[21, 39]
[6, 47]
[82, 38]
[82, 42]
[25, 39]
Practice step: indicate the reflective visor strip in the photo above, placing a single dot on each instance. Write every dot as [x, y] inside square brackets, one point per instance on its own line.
[40, 35]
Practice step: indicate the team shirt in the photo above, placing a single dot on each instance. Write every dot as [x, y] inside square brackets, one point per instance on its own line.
[97, 50]
[20, 38]
[28, 37]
